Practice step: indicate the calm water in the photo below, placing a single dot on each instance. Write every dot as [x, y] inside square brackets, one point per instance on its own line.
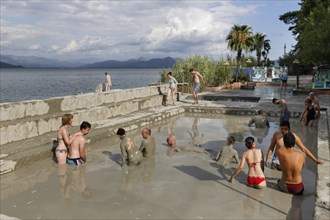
[29, 84]
[185, 185]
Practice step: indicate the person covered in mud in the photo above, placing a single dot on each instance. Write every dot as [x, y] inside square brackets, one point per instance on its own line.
[255, 160]
[173, 148]
[227, 153]
[148, 144]
[275, 145]
[129, 152]
[292, 163]
[260, 120]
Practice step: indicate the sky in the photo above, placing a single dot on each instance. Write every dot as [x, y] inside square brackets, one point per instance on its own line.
[130, 29]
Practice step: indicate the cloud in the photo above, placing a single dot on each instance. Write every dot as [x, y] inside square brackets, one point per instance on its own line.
[120, 29]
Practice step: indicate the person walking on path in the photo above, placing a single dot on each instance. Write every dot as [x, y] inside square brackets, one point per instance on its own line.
[196, 77]
[172, 87]
[255, 160]
[284, 79]
[292, 163]
[108, 82]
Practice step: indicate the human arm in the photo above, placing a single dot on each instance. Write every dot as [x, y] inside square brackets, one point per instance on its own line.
[142, 146]
[68, 140]
[304, 149]
[218, 155]
[200, 76]
[238, 169]
[123, 153]
[236, 157]
[82, 152]
[251, 122]
[271, 147]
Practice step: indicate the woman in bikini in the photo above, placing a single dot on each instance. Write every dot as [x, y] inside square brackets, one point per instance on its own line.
[172, 83]
[63, 138]
[255, 160]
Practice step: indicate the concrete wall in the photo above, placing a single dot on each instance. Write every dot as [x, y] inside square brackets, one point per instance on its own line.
[29, 119]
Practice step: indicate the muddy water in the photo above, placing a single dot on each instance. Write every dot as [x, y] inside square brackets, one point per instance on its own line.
[184, 185]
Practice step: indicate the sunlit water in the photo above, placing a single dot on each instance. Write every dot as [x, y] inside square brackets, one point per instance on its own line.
[29, 84]
[184, 185]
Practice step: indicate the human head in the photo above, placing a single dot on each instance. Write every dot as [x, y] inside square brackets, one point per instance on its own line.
[249, 142]
[285, 127]
[191, 70]
[276, 101]
[146, 132]
[308, 101]
[289, 140]
[85, 127]
[121, 132]
[230, 140]
[67, 119]
[171, 140]
[169, 74]
[106, 73]
[260, 112]
[312, 94]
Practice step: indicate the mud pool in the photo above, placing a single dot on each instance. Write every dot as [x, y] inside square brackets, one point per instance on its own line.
[184, 185]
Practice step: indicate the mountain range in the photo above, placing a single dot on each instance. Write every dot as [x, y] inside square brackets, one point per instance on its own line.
[9, 61]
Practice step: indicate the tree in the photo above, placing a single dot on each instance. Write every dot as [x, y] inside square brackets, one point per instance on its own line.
[311, 20]
[261, 45]
[239, 39]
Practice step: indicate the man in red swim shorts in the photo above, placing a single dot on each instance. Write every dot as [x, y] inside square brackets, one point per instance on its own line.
[292, 163]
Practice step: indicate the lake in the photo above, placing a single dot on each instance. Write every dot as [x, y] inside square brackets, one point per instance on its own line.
[29, 84]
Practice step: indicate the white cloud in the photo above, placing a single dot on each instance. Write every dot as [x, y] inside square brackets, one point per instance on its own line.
[120, 29]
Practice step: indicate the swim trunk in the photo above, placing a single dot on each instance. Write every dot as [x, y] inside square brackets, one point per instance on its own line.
[196, 87]
[252, 180]
[77, 161]
[295, 189]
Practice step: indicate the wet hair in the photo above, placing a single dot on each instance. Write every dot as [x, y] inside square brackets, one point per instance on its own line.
[85, 125]
[169, 74]
[121, 131]
[289, 140]
[231, 139]
[275, 100]
[249, 142]
[285, 124]
[66, 119]
[260, 112]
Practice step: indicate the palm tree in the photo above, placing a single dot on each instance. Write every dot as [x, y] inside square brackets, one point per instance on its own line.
[239, 39]
[260, 43]
[267, 48]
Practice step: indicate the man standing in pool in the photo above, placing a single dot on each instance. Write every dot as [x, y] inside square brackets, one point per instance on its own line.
[196, 76]
[285, 128]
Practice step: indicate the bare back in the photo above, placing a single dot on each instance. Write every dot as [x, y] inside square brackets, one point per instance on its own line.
[77, 148]
[292, 162]
[254, 159]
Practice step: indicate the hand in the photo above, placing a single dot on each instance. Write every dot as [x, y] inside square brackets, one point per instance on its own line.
[319, 162]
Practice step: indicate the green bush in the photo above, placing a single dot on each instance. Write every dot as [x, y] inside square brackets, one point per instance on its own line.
[215, 73]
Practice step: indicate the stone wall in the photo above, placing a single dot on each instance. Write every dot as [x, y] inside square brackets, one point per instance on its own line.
[29, 119]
